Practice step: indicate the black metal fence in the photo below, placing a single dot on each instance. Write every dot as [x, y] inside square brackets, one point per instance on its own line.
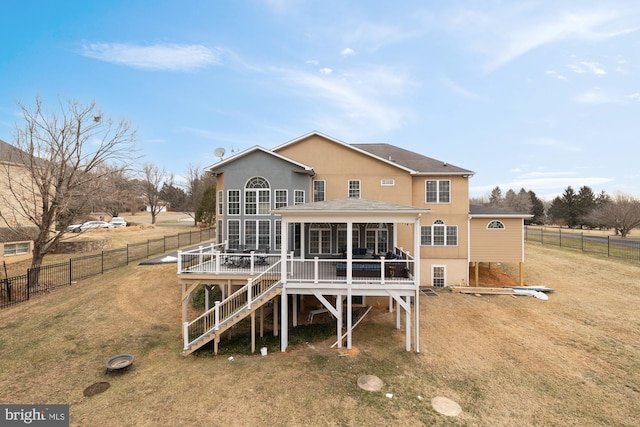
[609, 246]
[14, 290]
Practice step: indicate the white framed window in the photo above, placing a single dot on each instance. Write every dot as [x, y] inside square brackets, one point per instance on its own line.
[233, 202]
[438, 276]
[439, 234]
[233, 233]
[319, 194]
[320, 239]
[495, 224]
[277, 238]
[219, 231]
[19, 248]
[281, 198]
[438, 191]
[377, 238]
[298, 197]
[257, 197]
[257, 234]
[353, 188]
[220, 203]
[387, 182]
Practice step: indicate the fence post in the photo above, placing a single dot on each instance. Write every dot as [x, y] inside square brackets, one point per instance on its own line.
[560, 233]
[582, 241]
[70, 271]
[609, 246]
[102, 263]
[127, 254]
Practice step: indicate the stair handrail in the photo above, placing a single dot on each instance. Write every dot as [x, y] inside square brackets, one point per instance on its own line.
[224, 310]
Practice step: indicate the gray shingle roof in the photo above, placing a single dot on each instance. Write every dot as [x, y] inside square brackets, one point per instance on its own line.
[411, 160]
[479, 210]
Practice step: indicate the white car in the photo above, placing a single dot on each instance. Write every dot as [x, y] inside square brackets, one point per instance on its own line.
[117, 221]
[76, 228]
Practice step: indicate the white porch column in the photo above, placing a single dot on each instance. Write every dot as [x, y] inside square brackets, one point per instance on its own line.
[339, 319]
[349, 275]
[303, 241]
[349, 316]
[416, 269]
[408, 323]
[284, 243]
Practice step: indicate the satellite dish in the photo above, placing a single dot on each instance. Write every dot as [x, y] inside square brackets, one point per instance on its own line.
[219, 152]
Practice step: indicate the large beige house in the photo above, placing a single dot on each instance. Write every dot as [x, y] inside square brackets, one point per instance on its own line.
[325, 226]
[15, 227]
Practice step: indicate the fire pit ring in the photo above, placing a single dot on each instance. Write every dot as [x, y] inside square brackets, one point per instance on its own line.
[119, 362]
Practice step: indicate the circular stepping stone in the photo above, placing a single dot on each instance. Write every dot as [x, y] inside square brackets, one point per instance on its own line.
[446, 406]
[370, 383]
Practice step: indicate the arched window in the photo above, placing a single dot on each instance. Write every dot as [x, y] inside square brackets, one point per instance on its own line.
[439, 234]
[257, 196]
[495, 224]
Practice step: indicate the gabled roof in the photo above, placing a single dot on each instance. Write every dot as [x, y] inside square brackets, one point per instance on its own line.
[414, 163]
[220, 164]
[8, 153]
[479, 211]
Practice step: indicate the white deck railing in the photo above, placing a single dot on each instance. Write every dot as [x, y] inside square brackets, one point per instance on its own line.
[210, 260]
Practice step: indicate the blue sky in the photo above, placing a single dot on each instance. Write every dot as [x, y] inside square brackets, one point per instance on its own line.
[534, 94]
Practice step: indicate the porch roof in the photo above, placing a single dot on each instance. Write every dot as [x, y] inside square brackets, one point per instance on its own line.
[339, 209]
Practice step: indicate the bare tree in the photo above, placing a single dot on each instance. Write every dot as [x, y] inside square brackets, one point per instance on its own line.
[621, 212]
[153, 181]
[59, 156]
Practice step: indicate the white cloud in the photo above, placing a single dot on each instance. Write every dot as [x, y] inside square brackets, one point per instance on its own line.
[312, 62]
[459, 90]
[347, 52]
[508, 33]
[598, 96]
[587, 67]
[171, 57]
[556, 144]
[555, 74]
[326, 71]
[361, 96]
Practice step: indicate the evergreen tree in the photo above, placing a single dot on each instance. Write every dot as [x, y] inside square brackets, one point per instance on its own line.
[206, 212]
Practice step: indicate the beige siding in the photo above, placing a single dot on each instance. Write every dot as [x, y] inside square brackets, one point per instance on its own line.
[337, 164]
[496, 245]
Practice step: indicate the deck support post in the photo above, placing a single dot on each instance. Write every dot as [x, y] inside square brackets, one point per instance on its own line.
[349, 317]
[339, 319]
[262, 321]
[284, 320]
[407, 321]
[294, 319]
[253, 331]
[275, 316]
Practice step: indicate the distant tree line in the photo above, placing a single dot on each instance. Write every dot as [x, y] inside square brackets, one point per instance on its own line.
[584, 209]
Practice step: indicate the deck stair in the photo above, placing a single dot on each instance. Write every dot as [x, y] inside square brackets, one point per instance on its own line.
[214, 322]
